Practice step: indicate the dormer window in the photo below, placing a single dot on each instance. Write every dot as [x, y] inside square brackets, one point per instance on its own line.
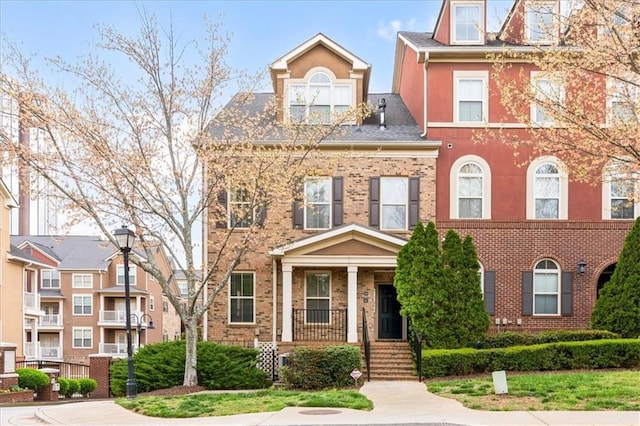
[320, 98]
[467, 22]
[541, 22]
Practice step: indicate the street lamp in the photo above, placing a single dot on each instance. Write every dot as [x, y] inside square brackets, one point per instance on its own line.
[125, 238]
[139, 321]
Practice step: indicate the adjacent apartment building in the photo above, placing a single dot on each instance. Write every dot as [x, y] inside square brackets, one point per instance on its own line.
[546, 243]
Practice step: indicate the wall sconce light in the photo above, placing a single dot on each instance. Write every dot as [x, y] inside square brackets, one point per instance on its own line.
[582, 266]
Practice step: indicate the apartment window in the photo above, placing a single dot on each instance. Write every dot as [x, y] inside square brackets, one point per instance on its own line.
[393, 203]
[547, 189]
[470, 94]
[317, 194]
[619, 192]
[165, 306]
[546, 288]
[82, 305]
[132, 275]
[318, 297]
[541, 22]
[320, 98]
[622, 100]
[82, 281]
[548, 97]
[241, 215]
[242, 297]
[183, 289]
[152, 303]
[467, 22]
[82, 337]
[470, 188]
[50, 278]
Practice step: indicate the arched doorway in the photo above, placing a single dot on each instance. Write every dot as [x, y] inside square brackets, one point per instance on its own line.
[604, 277]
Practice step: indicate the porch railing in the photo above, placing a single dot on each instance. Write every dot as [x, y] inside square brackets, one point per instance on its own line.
[320, 325]
[50, 320]
[54, 352]
[116, 349]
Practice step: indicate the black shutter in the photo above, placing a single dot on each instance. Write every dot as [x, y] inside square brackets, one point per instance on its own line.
[221, 220]
[414, 201]
[527, 293]
[374, 202]
[298, 205]
[337, 206]
[261, 215]
[490, 291]
[566, 284]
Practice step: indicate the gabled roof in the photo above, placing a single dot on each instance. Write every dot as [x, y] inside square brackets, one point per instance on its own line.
[10, 201]
[18, 255]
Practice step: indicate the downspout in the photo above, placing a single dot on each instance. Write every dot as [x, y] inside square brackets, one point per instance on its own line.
[424, 94]
[274, 314]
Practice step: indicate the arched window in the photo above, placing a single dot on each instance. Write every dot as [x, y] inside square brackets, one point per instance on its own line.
[546, 288]
[319, 98]
[547, 190]
[470, 182]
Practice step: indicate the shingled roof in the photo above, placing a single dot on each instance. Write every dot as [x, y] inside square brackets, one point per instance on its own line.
[76, 252]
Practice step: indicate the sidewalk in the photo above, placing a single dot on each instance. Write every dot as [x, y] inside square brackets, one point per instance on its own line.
[397, 403]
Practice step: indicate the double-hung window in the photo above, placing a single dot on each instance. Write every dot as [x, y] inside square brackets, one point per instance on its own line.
[620, 188]
[242, 298]
[241, 215]
[467, 22]
[470, 191]
[541, 22]
[50, 278]
[82, 337]
[317, 211]
[622, 100]
[546, 288]
[318, 297]
[132, 275]
[547, 189]
[394, 194]
[470, 94]
[82, 281]
[548, 97]
[319, 98]
[82, 305]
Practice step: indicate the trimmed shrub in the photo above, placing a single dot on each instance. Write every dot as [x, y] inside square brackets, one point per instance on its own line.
[32, 379]
[64, 386]
[511, 338]
[605, 353]
[161, 366]
[87, 386]
[321, 368]
[74, 387]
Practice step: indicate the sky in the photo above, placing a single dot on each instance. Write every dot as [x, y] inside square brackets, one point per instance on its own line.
[261, 30]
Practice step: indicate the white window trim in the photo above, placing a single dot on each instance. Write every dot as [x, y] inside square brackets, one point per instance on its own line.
[73, 337]
[152, 303]
[486, 186]
[606, 195]
[558, 293]
[305, 81]
[132, 275]
[481, 23]
[318, 298]
[73, 304]
[241, 297]
[563, 204]
[52, 272]
[73, 280]
[613, 86]
[554, 31]
[307, 204]
[481, 272]
[535, 77]
[230, 203]
[475, 75]
[406, 205]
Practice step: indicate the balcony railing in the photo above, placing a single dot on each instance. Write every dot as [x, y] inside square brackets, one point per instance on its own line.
[31, 350]
[30, 300]
[50, 320]
[50, 352]
[118, 317]
[320, 325]
[116, 349]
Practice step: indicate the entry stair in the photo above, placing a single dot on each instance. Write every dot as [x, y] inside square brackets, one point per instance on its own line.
[390, 360]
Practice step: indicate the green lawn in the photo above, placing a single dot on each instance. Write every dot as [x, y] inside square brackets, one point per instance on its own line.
[590, 391]
[224, 404]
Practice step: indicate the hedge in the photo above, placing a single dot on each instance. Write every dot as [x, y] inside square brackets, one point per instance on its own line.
[321, 368]
[511, 338]
[605, 353]
[31, 378]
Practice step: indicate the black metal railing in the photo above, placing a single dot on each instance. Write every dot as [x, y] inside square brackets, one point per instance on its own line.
[415, 342]
[68, 370]
[320, 325]
[367, 343]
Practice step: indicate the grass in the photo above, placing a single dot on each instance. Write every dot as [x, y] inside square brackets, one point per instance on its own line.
[225, 404]
[588, 391]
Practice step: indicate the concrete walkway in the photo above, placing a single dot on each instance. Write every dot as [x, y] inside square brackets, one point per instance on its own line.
[395, 403]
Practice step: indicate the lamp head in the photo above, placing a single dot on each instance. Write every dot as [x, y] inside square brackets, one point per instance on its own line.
[125, 238]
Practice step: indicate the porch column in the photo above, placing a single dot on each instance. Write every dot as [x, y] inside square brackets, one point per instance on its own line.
[352, 304]
[287, 303]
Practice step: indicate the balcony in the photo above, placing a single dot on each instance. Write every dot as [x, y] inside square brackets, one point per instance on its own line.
[50, 321]
[31, 302]
[31, 350]
[117, 318]
[50, 352]
[116, 349]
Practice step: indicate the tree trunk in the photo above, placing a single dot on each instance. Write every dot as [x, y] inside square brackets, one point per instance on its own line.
[191, 359]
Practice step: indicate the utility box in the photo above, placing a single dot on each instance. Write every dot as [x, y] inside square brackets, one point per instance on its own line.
[500, 382]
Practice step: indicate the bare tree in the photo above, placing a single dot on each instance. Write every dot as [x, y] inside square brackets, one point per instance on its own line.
[131, 144]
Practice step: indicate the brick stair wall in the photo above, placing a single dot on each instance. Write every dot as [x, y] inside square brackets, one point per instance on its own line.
[390, 361]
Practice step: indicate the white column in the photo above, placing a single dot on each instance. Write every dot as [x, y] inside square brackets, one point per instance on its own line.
[287, 303]
[352, 304]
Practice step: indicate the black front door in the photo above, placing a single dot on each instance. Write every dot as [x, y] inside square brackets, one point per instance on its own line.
[389, 318]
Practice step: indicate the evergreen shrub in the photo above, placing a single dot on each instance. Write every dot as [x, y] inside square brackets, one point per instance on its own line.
[32, 379]
[321, 368]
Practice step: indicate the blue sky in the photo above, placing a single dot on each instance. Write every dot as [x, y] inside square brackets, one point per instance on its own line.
[262, 31]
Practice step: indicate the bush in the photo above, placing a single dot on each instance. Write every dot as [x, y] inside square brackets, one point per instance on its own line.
[32, 379]
[64, 386]
[74, 387]
[511, 338]
[161, 366]
[605, 353]
[321, 368]
[87, 386]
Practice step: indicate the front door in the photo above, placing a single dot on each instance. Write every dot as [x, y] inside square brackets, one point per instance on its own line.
[389, 318]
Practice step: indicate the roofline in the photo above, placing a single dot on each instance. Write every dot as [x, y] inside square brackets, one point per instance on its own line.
[367, 144]
[35, 247]
[10, 199]
[28, 261]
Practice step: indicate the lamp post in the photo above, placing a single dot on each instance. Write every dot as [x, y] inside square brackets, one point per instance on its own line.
[139, 321]
[125, 238]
